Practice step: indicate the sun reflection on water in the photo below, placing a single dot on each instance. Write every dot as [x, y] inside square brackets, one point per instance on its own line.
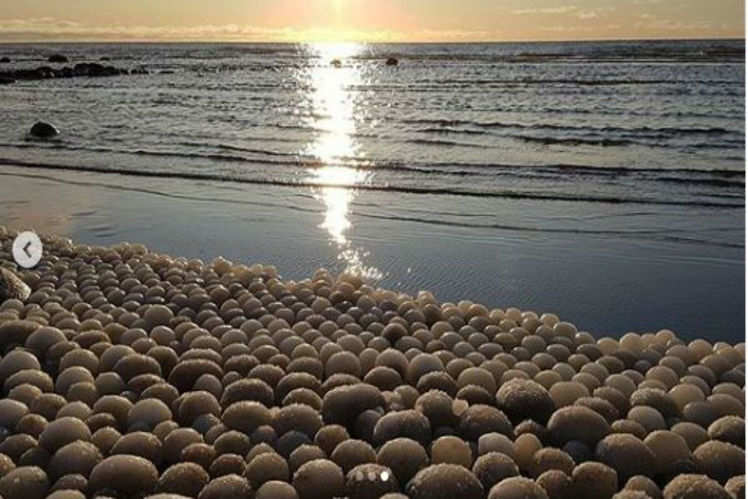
[334, 109]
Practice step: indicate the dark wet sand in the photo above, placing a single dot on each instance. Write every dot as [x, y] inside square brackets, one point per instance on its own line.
[610, 270]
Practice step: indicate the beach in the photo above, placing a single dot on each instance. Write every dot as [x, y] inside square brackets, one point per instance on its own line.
[386, 271]
[222, 380]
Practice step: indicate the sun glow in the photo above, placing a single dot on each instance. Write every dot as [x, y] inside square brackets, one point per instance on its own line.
[334, 111]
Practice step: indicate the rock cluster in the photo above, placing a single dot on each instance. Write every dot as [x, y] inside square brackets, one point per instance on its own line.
[83, 69]
[127, 373]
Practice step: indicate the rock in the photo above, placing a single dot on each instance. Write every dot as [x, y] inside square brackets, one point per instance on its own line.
[392, 62]
[644, 484]
[593, 480]
[405, 457]
[735, 486]
[626, 454]
[58, 58]
[517, 487]
[336, 63]
[28, 482]
[226, 486]
[493, 467]
[78, 457]
[730, 429]
[556, 484]
[720, 460]
[319, 479]
[669, 448]
[690, 486]
[4, 60]
[45, 72]
[63, 431]
[12, 287]
[86, 69]
[187, 479]
[370, 481]
[402, 424]
[550, 458]
[125, 474]
[276, 490]
[577, 423]
[43, 130]
[451, 450]
[445, 481]
[480, 419]
[94, 69]
[522, 399]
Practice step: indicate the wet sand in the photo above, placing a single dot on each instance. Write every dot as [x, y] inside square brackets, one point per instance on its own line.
[616, 270]
[129, 373]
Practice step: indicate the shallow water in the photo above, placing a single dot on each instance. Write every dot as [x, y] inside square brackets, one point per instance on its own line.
[602, 181]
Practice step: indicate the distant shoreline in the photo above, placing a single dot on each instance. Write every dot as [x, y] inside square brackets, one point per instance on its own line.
[235, 42]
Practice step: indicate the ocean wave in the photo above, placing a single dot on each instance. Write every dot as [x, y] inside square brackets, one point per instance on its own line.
[546, 81]
[447, 130]
[383, 187]
[231, 147]
[716, 177]
[655, 235]
[450, 124]
[448, 143]
[574, 141]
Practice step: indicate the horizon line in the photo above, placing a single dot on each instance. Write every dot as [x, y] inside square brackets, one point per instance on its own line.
[373, 42]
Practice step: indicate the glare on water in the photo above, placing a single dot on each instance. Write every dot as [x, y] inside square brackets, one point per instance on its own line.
[334, 108]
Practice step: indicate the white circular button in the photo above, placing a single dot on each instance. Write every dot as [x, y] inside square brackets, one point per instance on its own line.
[27, 249]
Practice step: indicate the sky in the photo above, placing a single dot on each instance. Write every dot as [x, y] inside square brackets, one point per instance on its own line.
[367, 20]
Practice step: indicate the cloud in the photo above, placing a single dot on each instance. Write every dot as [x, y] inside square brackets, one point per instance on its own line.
[448, 35]
[587, 14]
[584, 14]
[545, 10]
[581, 29]
[670, 25]
[47, 28]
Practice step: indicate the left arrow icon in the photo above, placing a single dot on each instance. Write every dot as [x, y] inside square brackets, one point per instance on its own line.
[27, 249]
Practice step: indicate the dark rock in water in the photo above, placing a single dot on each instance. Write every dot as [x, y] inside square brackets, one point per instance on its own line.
[11, 286]
[58, 58]
[44, 130]
[6, 81]
[4, 60]
[85, 69]
[94, 69]
[104, 58]
[45, 72]
[139, 71]
[392, 61]
[336, 63]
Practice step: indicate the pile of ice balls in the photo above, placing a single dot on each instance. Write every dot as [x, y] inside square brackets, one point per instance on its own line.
[130, 374]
